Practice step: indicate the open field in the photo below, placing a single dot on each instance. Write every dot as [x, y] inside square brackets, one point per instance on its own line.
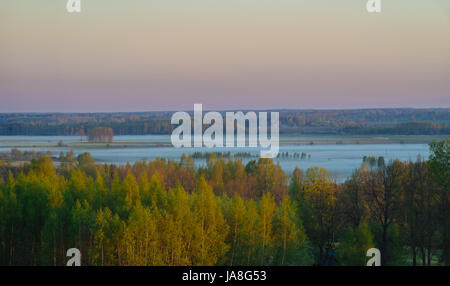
[152, 141]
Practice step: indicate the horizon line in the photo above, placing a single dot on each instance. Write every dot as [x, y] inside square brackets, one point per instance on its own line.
[226, 109]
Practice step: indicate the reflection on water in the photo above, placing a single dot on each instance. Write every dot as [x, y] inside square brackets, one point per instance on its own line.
[340, 160]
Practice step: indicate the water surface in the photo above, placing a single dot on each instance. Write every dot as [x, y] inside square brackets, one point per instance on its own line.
[339, 159]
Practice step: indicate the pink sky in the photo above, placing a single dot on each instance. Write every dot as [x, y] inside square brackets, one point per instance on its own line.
[167, 55]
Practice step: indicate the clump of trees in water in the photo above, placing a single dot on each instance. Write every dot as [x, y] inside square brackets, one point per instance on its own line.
[225, 155]
[226, 213]
[101, 135]
[294, 155]
[18, 155]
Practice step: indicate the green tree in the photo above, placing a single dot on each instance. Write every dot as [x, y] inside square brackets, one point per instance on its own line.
[266, 213]
[212, 227]
[318, 210]
[108, 234]
[288, 231]
[439, 163]
[354, 245]
[236, 215]
[141, 239]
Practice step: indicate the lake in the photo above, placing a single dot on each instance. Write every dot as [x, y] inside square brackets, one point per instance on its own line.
[339, 155]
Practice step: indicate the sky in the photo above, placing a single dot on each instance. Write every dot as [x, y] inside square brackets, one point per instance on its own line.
[145, 55]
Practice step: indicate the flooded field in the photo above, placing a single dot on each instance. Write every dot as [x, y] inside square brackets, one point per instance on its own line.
[340, 155]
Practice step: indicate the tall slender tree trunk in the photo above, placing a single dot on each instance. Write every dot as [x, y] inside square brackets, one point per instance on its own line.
[320, 255]
[11, 246]
[234, 244]
[384, 246]
[446, 246]
[54, 248]
[422, 252]
[445, 242]
[284, 249]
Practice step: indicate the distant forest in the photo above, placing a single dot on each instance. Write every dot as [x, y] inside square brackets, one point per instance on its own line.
[352, 122]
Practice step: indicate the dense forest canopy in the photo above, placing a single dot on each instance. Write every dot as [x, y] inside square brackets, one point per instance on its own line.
[364, 121]
[226, 213]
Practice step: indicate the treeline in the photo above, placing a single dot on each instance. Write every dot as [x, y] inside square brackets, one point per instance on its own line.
[226, 213]
[410, 128]
[364, 121]
[153, 126]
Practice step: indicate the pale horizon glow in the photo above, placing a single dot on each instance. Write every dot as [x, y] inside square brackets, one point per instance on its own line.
[141, 55]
